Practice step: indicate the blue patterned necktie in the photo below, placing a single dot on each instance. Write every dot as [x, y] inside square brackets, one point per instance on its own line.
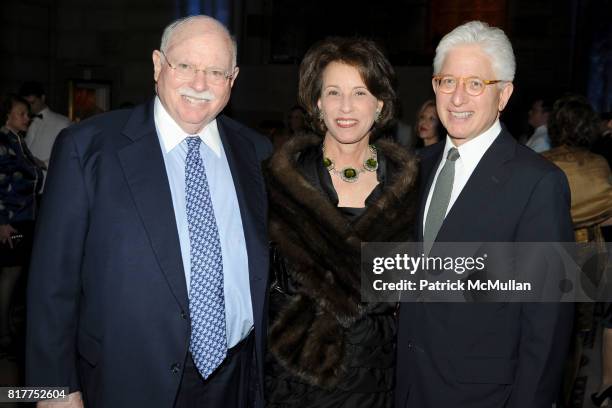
[208, 343]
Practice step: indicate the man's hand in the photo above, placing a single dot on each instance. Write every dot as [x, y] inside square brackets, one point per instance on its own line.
[5, 234]
[75, 400]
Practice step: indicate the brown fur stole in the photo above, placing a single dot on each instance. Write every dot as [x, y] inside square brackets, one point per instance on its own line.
[322, 249]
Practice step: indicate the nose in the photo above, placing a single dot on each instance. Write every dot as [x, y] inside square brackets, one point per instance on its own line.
[199, 81]
[346, 103]
[459, 96]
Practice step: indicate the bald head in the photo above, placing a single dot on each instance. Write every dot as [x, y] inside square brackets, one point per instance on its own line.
[194, 71]
[188, 26]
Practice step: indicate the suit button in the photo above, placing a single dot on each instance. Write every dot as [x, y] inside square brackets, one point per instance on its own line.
[175, 368]
[183, 315]
[409, 345]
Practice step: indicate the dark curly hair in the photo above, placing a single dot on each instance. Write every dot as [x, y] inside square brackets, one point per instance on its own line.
[6, 106]
[572, 122]
[366, 56]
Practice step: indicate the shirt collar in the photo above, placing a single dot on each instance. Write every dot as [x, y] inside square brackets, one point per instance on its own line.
[472, 151]
[44, 113]
[540, 130]
[171, 134]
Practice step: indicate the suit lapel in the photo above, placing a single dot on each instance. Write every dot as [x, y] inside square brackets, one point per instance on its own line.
[480, 191]
[145, 173]
[246, 173]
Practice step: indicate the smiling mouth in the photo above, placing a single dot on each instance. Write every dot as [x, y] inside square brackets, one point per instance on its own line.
[461, 115]
[193, 100]
[346, 123]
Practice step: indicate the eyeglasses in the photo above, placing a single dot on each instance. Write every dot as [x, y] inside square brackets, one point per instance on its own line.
[188, 72]
[472, 85]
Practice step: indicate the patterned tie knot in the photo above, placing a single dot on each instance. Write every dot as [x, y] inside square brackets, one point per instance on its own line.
[453, 154]
[193, 142]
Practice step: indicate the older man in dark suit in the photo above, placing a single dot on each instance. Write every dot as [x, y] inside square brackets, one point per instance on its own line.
[479, 185]
[149, 270]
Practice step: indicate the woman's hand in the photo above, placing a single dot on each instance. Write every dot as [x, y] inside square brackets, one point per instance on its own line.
[5, 234]
[75, 400]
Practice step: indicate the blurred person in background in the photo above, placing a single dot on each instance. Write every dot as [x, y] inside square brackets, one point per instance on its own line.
[296, 121]
[279, 133]
[603, 143]
[402, 132]
[20, 180]
[427, 126]
[274, 130]
[45, 125]
[603, 146]
[572, 127]
[539, 141]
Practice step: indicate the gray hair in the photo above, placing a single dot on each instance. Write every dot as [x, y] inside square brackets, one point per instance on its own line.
[171, 28]
[493, 42]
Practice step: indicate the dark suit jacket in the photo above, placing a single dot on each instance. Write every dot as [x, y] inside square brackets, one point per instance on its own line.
[108, 311]
[490, 354]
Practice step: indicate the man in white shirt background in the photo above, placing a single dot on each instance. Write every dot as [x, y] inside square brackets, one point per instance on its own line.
[538, 117]
[45, 125]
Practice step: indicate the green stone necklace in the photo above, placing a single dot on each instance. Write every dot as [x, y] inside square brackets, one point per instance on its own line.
[351, 174]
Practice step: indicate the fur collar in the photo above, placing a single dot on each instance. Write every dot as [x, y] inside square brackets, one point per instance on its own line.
[285, 178]
[322, 252]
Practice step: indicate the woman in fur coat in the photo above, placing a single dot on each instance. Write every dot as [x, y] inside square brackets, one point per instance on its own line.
[328, 193]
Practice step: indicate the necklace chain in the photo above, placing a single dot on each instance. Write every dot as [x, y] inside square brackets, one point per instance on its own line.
[351, 174]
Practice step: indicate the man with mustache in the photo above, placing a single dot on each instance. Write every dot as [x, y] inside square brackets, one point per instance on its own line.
[148, 290]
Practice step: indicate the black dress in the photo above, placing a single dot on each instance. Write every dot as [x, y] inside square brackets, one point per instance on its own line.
[359, 349]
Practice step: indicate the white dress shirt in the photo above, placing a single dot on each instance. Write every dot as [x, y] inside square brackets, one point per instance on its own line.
[470, 154]
[43, 132]
[238, 308]
[540, 141]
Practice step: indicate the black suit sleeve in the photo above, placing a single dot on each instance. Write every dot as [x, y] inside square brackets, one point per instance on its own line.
[545, 327]
[54, 285]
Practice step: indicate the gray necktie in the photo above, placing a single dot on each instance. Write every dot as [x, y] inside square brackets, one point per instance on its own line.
[439, 200]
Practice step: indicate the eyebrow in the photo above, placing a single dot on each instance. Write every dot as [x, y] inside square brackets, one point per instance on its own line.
[338, 86]
[187, 61]
[205, 67]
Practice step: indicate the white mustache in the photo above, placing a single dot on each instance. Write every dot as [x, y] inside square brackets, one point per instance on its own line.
[206, 95]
